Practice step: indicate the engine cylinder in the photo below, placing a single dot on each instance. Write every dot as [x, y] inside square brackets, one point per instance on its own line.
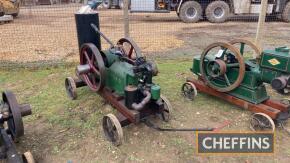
[279, 83]
[130, 95]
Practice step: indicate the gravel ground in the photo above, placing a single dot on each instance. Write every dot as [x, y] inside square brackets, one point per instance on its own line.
[47, 33]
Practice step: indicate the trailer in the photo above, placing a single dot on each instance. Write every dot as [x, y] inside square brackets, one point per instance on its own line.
[216, 11]
[113, 3]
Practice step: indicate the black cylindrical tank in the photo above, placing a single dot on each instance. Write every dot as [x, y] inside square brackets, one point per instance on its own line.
[130, 95]
[85, 33]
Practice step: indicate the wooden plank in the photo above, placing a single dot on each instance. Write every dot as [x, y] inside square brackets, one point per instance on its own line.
[261, 25]
[259, 108]
[126, 18]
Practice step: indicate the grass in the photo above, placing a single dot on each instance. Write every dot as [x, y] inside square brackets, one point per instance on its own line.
[44, 90]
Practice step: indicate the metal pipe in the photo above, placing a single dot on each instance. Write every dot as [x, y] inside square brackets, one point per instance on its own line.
[147, 98]
[105, 37]
[25, 110]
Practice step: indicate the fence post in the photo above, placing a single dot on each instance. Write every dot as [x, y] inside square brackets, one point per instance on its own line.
[126, 18]
[261, 24]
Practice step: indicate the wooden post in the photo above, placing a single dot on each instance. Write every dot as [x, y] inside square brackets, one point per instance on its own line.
[126, 18]
[261, 24]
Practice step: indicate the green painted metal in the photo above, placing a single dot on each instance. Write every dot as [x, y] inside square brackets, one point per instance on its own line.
[278, 59]
[119, 74]
[155, 92]
[110, 57]
[274, 63]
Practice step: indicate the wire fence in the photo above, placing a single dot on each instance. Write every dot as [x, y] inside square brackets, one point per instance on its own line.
[48, 32]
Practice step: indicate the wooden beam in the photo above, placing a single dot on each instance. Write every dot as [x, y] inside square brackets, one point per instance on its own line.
[126, 18]
[261, 24]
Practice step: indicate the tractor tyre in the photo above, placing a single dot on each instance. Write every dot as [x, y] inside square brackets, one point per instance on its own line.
[107, 4]
[217, 11]
[2, 13]
[190, 12]
[15, 14]
[286, 13]
[121, 4]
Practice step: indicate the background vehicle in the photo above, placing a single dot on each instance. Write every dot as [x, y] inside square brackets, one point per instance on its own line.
[216, 11]
[113, 3]
[10, 7]
[1, 10]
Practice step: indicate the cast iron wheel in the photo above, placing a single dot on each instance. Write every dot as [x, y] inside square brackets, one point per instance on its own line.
[95, 76]
[217, 11]
[286, 13]
[28, 157]
[190, 12]
[14, 123]
[71, 88]
[167, 112]
[243, 42]
[129, 48]
[113, 129]
[189, 90]
[212, 67]
[262, 122]
[107, 4]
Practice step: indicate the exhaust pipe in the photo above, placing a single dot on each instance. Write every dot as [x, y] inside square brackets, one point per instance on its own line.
[139, 106]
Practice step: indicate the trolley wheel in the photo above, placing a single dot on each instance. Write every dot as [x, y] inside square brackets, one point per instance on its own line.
[189, 90]
[28, 157]
[14, 123]
[262, 122]
[113, 129]
[71, 88]
[167, 110]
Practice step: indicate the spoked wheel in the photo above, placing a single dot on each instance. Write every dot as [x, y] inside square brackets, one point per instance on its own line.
[14, 123]
[129, 48]
[189, 90]
[214, 66]
[262, 122]
[242, 43]
[167, 111]
[28, 157]
[113, 129]
[71, 88]
[91, 68]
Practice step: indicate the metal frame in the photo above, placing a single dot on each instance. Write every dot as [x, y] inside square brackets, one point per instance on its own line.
[125, 115]
[272, 108]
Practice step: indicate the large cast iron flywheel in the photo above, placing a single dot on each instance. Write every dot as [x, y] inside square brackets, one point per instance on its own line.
[92, 68]
[215, 66]
[129, 48]
[243, 42]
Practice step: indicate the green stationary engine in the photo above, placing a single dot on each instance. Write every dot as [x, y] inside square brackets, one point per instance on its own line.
[121, 69]
[120, 74]
[226, 70]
